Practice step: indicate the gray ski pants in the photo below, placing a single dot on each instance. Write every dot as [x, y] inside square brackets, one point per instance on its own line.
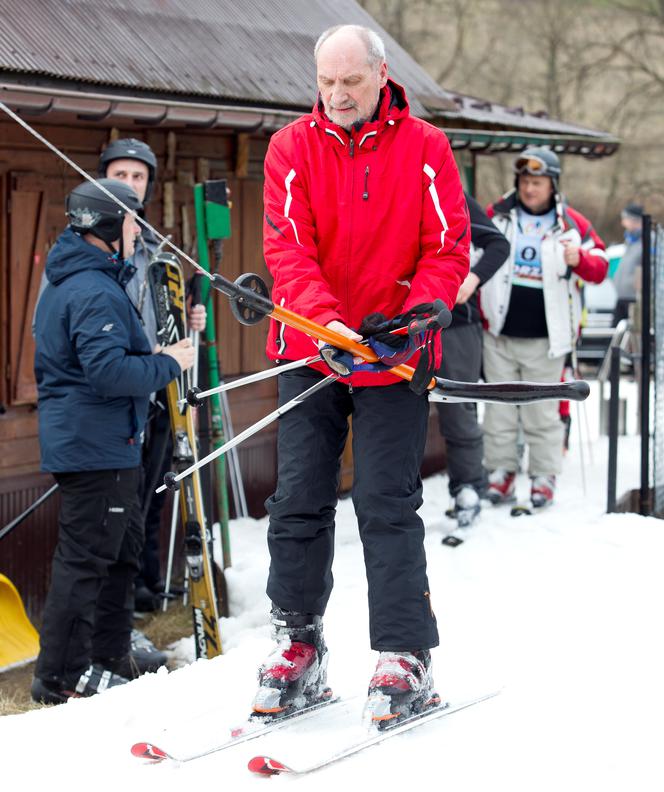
[507, 358]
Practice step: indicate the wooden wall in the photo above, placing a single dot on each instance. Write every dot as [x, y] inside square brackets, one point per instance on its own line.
[33, 185]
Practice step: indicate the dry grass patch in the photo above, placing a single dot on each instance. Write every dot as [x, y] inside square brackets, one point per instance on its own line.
[161, 628]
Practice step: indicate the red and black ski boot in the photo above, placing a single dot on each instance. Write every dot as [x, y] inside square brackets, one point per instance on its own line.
[501, 486]
[402, 686]
[542, 490]
[294, 676]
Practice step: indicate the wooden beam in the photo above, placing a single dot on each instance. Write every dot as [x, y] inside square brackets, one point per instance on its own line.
[242, 155]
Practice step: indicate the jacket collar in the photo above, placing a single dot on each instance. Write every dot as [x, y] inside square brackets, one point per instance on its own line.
[392, 107]
[509, 203]
[72, 254]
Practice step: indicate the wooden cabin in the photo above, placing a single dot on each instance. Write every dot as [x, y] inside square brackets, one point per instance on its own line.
[205, 85]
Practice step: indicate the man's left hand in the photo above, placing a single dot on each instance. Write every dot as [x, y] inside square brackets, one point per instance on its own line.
[197, 318]
[572, 255]
[467, 288]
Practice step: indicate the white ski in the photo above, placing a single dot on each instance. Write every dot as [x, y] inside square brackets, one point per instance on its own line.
[247, 731]
[266, 765]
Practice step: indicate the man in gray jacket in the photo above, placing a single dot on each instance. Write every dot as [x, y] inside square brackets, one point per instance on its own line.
[631, 218]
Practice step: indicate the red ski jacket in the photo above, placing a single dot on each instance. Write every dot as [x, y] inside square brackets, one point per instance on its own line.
[360, 222]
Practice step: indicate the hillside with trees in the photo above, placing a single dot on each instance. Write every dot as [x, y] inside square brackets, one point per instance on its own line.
[599, 63]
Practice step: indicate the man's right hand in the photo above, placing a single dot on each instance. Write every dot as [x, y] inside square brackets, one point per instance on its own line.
[183, 352]
[340, 327]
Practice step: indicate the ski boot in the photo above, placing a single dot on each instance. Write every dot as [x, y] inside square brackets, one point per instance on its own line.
[466, 506]
[145, 654]
[294, 675]
[542, 491]
[143, 657]
[501, 487]
[402, 686]
[95, 679]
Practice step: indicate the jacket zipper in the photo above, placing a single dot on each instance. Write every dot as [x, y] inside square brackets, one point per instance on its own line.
[351, 151]
[365, 194]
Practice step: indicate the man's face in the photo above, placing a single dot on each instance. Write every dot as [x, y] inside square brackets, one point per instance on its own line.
[348, 85]
[631, 224]
[133, 173]
[130, 230]
[535, 192]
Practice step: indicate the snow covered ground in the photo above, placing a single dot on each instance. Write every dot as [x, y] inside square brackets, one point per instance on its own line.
[562, 610]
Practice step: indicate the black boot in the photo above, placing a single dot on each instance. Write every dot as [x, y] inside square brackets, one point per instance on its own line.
[95, 679]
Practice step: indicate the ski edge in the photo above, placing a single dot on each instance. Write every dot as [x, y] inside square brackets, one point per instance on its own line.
[267, 765]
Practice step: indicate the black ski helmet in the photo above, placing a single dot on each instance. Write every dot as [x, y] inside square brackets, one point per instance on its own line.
[91, 211]
[130, 148]
[538, 161]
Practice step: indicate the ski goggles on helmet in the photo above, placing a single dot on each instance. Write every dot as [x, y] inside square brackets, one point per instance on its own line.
[534, 166]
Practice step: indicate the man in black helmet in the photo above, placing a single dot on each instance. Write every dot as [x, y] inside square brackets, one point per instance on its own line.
[532, 309]
[95, 370]
[133, 162]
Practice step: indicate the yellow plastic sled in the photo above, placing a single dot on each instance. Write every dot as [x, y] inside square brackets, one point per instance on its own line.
[19, 641]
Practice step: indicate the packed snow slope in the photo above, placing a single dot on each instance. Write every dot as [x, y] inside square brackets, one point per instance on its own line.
[561, 610]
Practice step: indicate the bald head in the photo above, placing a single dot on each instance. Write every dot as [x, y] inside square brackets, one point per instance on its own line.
[373, 43]
[350, 71]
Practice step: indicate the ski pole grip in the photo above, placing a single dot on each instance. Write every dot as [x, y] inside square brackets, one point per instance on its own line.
[440, 319]
[577, 390]
[443, 316]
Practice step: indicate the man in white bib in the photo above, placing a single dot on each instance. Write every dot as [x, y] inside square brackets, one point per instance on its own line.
[532, 310]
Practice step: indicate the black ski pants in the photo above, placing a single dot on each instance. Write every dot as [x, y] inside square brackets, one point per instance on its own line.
[89, 608]
[389, 435]
[464, 439]
[156, 461]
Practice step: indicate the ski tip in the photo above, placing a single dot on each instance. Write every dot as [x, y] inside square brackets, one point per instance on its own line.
[148, 751]
[263, 765]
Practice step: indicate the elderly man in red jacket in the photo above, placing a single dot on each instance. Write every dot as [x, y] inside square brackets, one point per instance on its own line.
[364, 215]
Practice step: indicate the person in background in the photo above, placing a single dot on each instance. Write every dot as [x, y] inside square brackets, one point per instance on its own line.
[462, 360]
[624, 279]
[95, 370]
[134, 163]
[532, 309]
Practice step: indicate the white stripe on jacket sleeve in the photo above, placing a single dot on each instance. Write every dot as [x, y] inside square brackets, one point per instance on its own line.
[289, 200]
[431, 173]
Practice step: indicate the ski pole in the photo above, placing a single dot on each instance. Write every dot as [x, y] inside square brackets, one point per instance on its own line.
[250, 303]
[237, 484]
[171, 479]
[194, 396]
[24, 515]
[171, 549]
[575, 369]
